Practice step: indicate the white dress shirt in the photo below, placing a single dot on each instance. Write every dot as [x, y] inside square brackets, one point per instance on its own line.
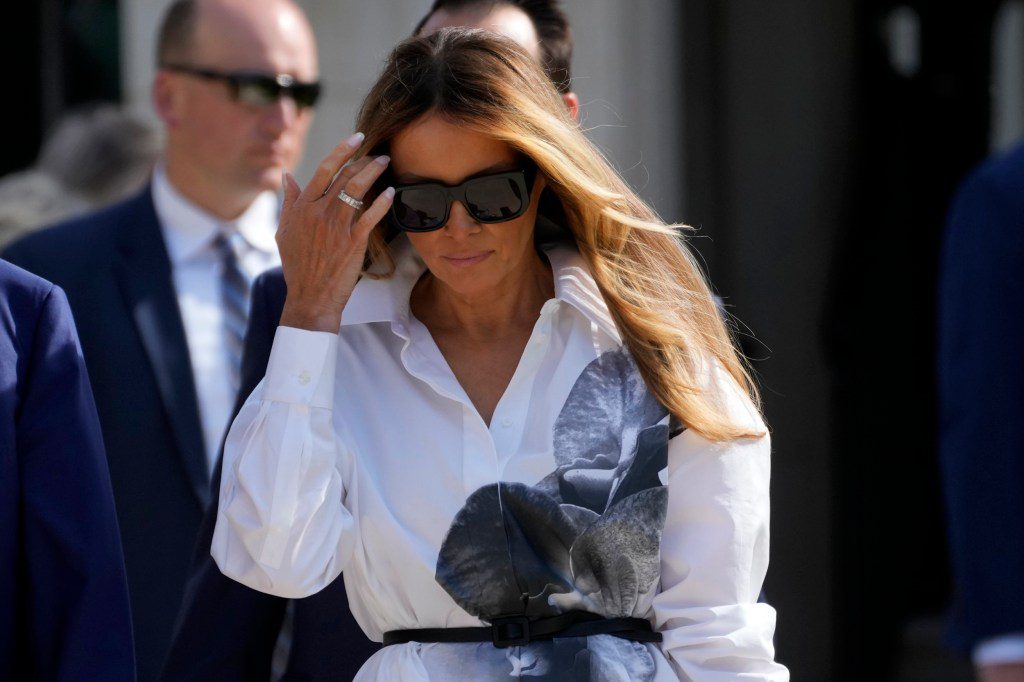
[1000, 650]
[189, 233]
[360, 451]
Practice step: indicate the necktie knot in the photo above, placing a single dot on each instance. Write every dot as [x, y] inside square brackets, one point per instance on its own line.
[229, 243]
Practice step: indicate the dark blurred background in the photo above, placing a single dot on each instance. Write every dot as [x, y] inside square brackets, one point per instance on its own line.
[816, 145]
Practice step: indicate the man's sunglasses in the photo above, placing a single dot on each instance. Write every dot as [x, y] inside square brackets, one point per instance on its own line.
[258, 89]
[496, 198]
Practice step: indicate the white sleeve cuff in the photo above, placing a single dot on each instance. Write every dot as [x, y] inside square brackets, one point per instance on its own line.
[301, 368]
[996, 650]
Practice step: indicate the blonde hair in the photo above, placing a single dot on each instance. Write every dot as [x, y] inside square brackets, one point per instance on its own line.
[650, 280]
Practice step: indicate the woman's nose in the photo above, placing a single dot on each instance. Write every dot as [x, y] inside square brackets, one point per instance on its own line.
[461, 221]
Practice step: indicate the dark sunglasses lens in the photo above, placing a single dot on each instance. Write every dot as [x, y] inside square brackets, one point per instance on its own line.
[494, 199]
[258, 91]
[305, 95]
[419, 209]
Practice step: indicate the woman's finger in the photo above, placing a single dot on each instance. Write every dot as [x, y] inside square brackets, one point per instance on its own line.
[373, 215]
[330, 166]
[346, 174]
[361, 182]
[291, 190]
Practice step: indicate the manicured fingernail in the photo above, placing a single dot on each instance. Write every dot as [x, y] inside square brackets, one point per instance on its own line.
[383, 160]
[355, 140]
[388, 193]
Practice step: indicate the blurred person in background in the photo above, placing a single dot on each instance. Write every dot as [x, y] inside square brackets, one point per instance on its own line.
[64, 611]
[529, 458]
[95, 156]
[981, 394]
[159, 283]
[540, 26]
[228, 631]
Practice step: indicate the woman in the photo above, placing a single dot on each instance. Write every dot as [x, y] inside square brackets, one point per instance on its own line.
[530, 459]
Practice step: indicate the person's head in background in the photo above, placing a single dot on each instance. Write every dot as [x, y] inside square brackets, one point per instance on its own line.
[539, 26]
[229, 132]
[100, 152]
[94, 156]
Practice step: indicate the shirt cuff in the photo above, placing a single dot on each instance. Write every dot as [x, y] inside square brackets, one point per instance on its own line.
[996, 650]
[301, 368]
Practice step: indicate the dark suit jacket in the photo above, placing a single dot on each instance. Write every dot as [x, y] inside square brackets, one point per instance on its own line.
[63, 598]
[981, 391]
[226, 630]
[117, 275]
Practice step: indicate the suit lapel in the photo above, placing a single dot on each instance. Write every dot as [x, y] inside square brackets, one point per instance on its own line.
[144, 274]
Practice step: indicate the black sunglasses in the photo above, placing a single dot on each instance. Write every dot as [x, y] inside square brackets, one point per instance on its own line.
[258, 89]
[497, 198]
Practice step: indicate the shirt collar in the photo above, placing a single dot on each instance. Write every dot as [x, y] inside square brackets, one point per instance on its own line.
[576, 286]
[387, 300]
[188, 229]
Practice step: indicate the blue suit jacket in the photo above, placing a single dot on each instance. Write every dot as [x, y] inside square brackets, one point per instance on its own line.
[63, 598]
[117, 275]
[981, 392]
[226, 630]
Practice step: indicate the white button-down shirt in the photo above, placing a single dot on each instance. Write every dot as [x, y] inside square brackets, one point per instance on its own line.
[999, 650]
[360, 451]
[189, 233]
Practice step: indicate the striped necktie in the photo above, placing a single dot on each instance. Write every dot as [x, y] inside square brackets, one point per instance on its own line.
[234, 287]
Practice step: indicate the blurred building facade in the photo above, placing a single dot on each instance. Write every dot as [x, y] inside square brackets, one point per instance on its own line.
[815, 143]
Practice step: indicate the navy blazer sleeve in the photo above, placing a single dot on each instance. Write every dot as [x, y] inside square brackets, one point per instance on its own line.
[226, 631]
[981, 393]
[77, 623]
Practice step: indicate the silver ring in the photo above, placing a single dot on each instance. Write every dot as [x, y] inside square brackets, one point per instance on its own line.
[351, 201]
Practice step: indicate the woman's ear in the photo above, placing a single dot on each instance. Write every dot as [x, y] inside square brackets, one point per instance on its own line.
[572, 103]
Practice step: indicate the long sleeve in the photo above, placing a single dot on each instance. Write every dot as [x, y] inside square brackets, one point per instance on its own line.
[715, 556]
[282, 527]
[76, 590]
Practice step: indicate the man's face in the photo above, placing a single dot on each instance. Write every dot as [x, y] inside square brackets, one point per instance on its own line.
[505, 20]
[244, 147]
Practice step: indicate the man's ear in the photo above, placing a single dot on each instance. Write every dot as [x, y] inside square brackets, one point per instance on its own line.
[572, 103]
[166, 98]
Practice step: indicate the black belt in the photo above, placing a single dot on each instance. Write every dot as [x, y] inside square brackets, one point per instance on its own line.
[519, 630]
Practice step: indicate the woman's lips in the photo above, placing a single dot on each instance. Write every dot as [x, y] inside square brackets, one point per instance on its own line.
[464, 261]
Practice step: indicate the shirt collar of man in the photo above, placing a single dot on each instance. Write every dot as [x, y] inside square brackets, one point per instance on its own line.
[387, 300]
[189, 230]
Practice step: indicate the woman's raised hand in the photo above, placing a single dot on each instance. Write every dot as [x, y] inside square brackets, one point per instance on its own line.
[323, 240]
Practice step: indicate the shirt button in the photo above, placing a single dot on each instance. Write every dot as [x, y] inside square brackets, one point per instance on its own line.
[304, 378]
[506, 422]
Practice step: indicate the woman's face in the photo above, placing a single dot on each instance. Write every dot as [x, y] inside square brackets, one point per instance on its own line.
[470, 257]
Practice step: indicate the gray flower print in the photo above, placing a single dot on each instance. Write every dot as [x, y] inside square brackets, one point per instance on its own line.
[585, 537]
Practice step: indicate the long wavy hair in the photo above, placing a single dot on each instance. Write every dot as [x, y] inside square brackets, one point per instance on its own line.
[650, 280]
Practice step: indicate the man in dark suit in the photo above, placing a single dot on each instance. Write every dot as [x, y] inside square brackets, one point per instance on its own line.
[159, 283]
[981, 392]
[227, 631]
[63, 597]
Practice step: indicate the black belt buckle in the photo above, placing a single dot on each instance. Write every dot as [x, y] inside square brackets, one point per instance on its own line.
[510, 631]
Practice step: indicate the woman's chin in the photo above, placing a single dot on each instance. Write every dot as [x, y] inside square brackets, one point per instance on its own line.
[466, 281]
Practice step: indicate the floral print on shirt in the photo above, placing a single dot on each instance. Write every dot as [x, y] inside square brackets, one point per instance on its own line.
[586, 537]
